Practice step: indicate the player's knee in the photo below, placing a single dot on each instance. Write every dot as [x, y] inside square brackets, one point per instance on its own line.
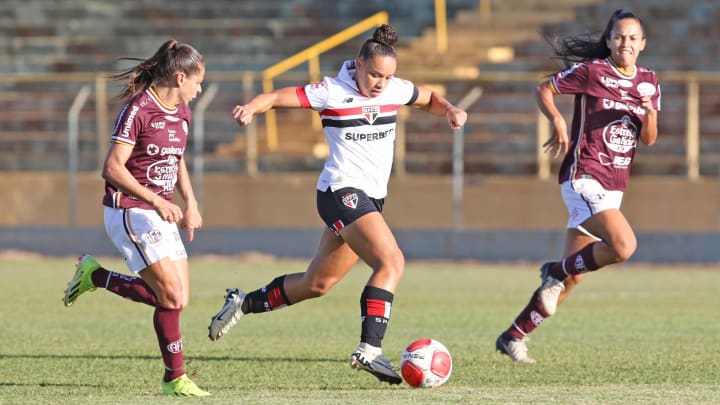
[396, 263]
[320, 287]
[624, 249]
[172, 300]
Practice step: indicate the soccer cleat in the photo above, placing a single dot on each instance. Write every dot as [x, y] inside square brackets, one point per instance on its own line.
[550, 290]
[183, 387]
[373, 361]
[513, 348]
[82, 280]
[228, 316]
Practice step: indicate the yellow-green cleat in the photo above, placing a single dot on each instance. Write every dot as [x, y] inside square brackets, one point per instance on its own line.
[183, 387]
[82, 280]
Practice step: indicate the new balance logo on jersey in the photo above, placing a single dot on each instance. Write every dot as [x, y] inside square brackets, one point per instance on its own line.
[348, 100]
[371, 113]
[350, 200]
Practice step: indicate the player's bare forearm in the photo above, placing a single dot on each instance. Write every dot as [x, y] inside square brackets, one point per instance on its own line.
[544, 96]
[281, 98]
[649, 131]
[184, 185]
[436, 104]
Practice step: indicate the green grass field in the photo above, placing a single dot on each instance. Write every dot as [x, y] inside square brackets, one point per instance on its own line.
[630, 334]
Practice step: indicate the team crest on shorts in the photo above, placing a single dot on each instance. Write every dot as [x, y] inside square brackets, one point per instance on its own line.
[153, 237]
[350, 200]
[371, 113]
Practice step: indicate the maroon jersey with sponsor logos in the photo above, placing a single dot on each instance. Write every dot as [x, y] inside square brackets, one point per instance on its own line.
[157, 133]
[606, 120]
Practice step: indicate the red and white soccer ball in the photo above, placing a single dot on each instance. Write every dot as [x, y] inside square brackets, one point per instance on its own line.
[426, 363]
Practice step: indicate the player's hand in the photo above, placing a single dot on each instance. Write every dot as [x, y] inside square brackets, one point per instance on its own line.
[191, 221]
[167, 210]
[456, 117]
[557, 144]
[242, 115]
[646, 103]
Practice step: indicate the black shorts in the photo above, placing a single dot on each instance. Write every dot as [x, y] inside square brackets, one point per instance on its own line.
[342, 207]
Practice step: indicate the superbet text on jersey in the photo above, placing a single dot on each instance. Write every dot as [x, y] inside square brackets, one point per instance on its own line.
[360, 130]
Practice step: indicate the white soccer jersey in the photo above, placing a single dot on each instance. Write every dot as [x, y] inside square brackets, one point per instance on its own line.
[359, 130]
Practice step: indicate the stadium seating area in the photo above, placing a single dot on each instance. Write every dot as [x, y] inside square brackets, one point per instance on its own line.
[45, 36]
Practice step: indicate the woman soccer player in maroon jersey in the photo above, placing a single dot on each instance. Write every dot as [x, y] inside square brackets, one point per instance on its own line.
[359, 112]
[143, 167]
[616, 103]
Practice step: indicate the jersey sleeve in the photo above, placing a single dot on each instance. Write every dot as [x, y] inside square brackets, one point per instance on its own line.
[314, 95]
[572, 80]
[405, 91]
[656, 97]
[128, 125]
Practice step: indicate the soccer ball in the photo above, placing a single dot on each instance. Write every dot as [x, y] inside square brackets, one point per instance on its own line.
[426, 363]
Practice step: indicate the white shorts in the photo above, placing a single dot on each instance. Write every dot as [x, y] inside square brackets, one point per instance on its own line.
[142, 237]
[585, 198]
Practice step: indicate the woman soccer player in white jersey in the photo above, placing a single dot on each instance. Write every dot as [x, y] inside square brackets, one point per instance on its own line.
[359, 112]
[143, 167]
[616, 103]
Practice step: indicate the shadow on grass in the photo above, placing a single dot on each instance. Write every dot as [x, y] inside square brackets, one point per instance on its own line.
[48, 384]
[187, 358]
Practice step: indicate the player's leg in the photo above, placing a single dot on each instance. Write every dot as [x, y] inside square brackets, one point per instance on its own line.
[169, 279]
[596, 211]
[512, 341]
[582, 198]
[617, 243]
[331, 262]
[371, 238]
[575, 239]
[89, 274]
[153, 250]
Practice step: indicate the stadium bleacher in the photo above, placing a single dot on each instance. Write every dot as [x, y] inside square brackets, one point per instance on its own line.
[46, 36]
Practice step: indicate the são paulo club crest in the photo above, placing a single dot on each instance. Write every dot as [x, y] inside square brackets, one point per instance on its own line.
[371, 113]
[350, 200]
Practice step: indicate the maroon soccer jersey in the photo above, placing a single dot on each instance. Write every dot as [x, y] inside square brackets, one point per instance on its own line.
[157, 133]
[606, 120]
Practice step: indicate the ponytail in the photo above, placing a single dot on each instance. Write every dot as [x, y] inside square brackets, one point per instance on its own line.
[172, 57]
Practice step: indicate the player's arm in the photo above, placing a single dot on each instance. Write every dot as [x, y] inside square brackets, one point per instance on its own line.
[436, 104]
[282, 98]
[192, 219]
[115, 172]
[544, 96]
[648, 130]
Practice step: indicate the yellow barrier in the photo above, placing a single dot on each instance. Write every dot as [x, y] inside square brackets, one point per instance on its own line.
[692, 80]
[311, 55]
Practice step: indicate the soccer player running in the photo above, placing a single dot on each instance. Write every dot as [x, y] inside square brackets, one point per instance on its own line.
[143, 167]
[359, 113]
[616, 103]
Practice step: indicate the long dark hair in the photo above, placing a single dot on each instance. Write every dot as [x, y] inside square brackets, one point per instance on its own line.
[170, 58]
[573, 49]
[381, 44]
